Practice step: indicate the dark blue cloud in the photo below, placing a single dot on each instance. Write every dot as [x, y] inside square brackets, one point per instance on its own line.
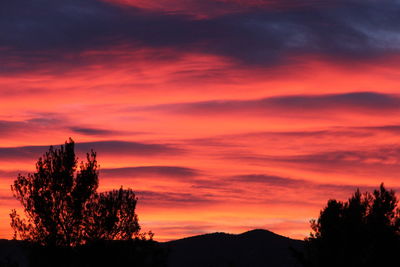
[394, 129]
[8, 127]
[127, 148]
[39, 123]
[101, 147]
[92, 131]
[46, 31]
[44, 122]
[290, 183]
[172, 199]
[270, 180]
[382, 156]
[281, 105]
[146, 171]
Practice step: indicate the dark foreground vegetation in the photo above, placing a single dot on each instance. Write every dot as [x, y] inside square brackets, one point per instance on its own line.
[257, 248]
[144, 253]
[62, 207]
[66, 223]
[361, 232]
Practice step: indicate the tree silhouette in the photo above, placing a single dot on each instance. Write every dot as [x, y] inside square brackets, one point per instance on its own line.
[363, 231]
[111, 216]
[62, 206]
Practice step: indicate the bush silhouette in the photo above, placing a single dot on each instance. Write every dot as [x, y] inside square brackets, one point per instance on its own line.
[363, 231]
[62, 206]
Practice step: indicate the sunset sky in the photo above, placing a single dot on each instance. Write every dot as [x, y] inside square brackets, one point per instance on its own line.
[222, 115]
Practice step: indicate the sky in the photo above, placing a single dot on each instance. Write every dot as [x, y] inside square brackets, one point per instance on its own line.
[221, 115]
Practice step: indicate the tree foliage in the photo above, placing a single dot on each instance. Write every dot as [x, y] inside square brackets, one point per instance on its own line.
[363, 231]
[111, 216]
[62, 206]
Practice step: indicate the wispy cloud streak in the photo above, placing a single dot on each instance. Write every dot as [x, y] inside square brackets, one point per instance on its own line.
[359, 102]
[103, 147]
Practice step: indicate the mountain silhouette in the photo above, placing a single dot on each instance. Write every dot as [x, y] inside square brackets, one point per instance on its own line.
[254, 248]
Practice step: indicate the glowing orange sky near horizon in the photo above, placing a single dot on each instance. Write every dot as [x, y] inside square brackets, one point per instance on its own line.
[219, 146]
[207, 143]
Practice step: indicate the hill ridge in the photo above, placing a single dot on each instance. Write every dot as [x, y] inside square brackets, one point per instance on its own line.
[258, 231]
[256, 248]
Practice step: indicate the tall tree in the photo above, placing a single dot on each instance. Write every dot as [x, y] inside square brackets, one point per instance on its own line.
[363, 231]
[62, 206]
